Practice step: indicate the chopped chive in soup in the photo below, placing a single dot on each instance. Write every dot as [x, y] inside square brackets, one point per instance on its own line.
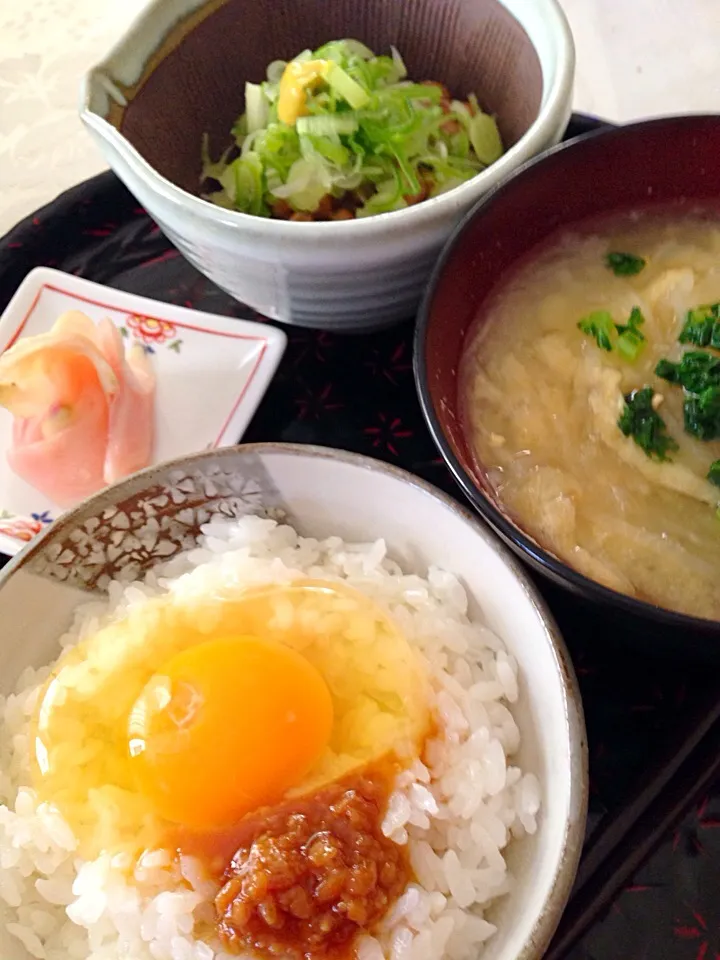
[702, 327]
[667, 370]
[624, 264]
[702, 414]
[644, 424]
[633, 504]
[599, 325]
[714, 473]
[628, 340]
[698, 373]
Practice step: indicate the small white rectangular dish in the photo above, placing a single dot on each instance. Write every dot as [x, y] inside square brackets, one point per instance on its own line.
[211, 374]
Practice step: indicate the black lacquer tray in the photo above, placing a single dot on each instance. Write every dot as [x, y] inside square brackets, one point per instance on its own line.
[649, 882]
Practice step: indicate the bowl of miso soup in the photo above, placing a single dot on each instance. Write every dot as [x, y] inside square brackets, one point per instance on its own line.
[568, 364]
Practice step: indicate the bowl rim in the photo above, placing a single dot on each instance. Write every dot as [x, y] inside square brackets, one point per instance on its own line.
[511, 533]
[549, 915]
[556, 103]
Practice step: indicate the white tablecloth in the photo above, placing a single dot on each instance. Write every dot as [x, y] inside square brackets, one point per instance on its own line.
[635, 58]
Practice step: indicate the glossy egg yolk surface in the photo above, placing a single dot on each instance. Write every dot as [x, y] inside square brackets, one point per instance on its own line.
[227, 726]
[192, 712]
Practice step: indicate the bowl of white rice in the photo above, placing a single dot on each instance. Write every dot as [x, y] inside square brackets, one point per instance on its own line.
[488, 817]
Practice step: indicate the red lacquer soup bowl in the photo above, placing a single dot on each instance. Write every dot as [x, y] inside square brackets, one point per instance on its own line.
[657, 163]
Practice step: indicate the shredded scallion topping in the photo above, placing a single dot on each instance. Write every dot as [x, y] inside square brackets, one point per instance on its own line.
[356, 138]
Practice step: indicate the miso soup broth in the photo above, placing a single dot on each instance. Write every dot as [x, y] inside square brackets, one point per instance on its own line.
[591, 395]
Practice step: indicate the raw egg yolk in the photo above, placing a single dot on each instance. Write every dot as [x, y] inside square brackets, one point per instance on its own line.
[225, 727]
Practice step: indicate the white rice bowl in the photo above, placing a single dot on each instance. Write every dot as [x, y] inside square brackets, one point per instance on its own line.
[457, 814]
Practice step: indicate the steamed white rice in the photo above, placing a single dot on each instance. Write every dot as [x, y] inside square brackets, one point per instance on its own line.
[457, 814]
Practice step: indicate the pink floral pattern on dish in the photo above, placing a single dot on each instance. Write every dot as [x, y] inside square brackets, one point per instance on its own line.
[151, 330]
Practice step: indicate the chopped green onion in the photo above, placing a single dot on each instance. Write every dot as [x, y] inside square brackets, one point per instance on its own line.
[600, 326]
[400, 71]
[698, 373]
[485, 138]
[713, 473]
[244, 179]
[628, 338]
[624, 264]
[667, 370]
[327, 126]
[339, 50]
[630, 347]
[257, 108]
[362, 130]
[635, 321]
[331, 149]
[631, 341]
[702, 326]
[406, 92]
[275, 72]
[643, 423]
[702, 414]
[387, 197]
[346, 87]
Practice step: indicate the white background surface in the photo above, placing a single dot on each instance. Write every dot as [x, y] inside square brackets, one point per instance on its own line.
[636, 58]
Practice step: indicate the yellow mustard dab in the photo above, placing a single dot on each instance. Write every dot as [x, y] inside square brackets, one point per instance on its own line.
[296, 78]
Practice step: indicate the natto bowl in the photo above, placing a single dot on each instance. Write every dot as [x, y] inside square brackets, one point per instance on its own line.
[179, 72]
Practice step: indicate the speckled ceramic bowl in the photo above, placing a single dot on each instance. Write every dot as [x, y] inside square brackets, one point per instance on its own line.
[326, 492]
[179, 73]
